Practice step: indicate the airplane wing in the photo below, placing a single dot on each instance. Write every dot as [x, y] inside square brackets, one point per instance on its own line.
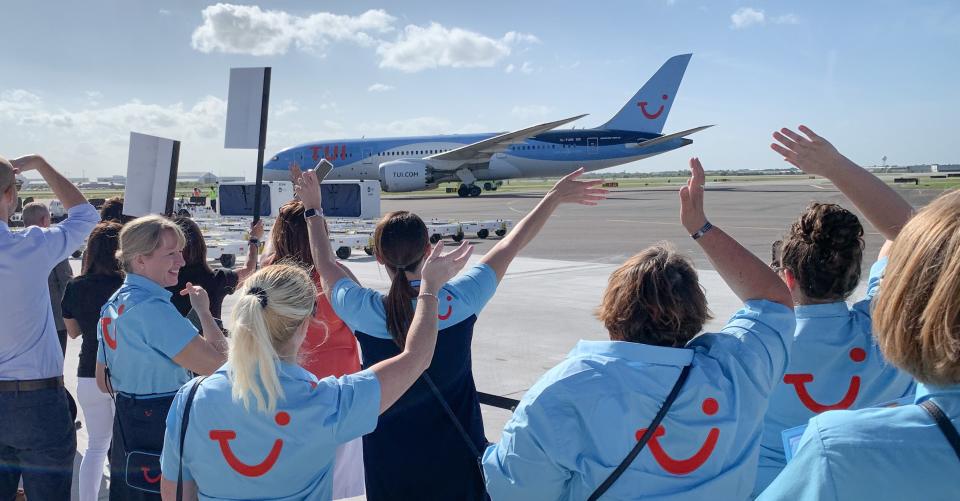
[481, 151]
[662, 139]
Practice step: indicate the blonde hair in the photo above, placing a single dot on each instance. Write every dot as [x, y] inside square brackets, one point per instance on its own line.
[916, 317]
[143, 236]
[272, 306]
[7, 177]
[654, 298]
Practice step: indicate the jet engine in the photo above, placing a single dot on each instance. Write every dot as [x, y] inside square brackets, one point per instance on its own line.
[406, 175]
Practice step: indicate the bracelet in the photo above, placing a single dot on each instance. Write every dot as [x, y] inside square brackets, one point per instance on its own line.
[427, 294]
[702, 231]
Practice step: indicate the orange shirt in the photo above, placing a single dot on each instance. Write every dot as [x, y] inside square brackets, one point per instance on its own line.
[330, 349]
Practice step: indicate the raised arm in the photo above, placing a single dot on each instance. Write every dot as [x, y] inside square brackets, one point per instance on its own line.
[567, 190]
[748, 276]
[324, 261]
[253, 252]
[886, 210]
[398, 373]
[203, 355]
[62, 188]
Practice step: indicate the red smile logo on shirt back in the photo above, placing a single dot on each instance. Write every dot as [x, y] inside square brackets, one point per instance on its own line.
[799, 382]
[449, 309]
[223, 437]
[691, 464]
[105, 324]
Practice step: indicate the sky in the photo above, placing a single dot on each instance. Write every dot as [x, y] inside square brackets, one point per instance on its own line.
[877, 78]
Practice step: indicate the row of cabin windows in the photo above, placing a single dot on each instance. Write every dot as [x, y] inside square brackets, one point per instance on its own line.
[434, 152]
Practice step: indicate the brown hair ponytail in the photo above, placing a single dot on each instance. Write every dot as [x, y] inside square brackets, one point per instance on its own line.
[400, 241]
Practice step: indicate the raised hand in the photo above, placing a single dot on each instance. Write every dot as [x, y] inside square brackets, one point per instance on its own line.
[27, 162]
[307, 189]
[256, 230]
[439, 268]
[295, 172]
[692, 215]
[811, 154]
[569, 190]
[198, 298]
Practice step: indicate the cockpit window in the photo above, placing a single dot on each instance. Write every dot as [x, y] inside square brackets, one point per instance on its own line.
[274, 159]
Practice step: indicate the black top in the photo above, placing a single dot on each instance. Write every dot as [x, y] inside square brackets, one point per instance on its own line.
[415, 435]
[82, 300]
[219, 284]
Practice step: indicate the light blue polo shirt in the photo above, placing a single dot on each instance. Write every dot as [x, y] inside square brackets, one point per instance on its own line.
[876, 453]
[362, 309]
[579, 421]
[233, 453]
[835, 365]
[140, 332]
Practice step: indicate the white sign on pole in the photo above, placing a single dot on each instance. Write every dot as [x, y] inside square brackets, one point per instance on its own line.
[151, 175]
[244, 108]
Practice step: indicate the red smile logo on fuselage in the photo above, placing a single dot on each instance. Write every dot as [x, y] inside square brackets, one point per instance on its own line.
[105, 324]
[449, 309]
[223, 437]
[652, 116]
[689, 465]
[799, 382]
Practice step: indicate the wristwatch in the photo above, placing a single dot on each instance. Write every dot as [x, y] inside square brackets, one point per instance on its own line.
[702, 231]
[309, 213]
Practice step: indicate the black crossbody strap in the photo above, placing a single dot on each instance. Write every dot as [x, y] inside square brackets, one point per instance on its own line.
[452, 416]
[944, 423]
[184, 421]
[645, 438]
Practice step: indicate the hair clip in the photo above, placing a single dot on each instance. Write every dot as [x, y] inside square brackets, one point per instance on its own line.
[260, 294]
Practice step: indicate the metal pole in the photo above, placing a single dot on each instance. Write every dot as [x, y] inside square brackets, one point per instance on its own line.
[265, 107]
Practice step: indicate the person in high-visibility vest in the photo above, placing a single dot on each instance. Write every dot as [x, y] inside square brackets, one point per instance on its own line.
[213, 197]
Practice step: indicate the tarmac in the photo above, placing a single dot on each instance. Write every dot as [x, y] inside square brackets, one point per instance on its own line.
[545, 303]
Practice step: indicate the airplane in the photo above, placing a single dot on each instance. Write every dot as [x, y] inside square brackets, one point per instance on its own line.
[420, 163]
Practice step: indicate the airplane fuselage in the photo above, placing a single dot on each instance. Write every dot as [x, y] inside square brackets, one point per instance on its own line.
[550, 154]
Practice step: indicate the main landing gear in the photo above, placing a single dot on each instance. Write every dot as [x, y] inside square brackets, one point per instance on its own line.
[468, 191]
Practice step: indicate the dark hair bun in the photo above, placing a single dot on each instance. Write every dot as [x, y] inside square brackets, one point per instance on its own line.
[823, 250]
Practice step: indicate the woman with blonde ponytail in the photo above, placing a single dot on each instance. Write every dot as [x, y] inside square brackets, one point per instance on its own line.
[263, 426]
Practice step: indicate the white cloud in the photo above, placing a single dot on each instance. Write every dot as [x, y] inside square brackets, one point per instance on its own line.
[530, 111]
[419, 126]
[285, 107]
[17, 101]
[435, 46]
[165, 12]
[527, 68]
[243, 29]
[790, 18]
[509, 68]
[379, 87]
[746, 16]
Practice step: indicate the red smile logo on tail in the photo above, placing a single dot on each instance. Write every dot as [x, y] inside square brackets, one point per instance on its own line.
[643, 108]
[691, 464]
[223, 437]
[799, 382]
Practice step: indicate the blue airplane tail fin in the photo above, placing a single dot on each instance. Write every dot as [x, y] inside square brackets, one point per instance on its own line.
[648, 110]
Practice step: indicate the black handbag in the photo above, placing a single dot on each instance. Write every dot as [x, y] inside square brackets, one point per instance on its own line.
[645, 438]
[476, 454]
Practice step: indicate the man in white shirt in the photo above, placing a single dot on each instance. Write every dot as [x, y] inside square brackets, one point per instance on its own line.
[37, 435]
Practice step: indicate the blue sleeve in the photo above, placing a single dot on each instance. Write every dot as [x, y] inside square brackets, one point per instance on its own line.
[808, 475]
[756, 340]
[873, 286]
[360, 308]
[170, 457]
[177, 331]
[522, 465]
[475, 286]
[358, 405]
[62, 239]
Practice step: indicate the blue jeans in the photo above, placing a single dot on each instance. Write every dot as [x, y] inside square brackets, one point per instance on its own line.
[38, 441]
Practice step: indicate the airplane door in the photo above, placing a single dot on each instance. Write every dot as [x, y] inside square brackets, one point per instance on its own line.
[367, 156]
[592, 145]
